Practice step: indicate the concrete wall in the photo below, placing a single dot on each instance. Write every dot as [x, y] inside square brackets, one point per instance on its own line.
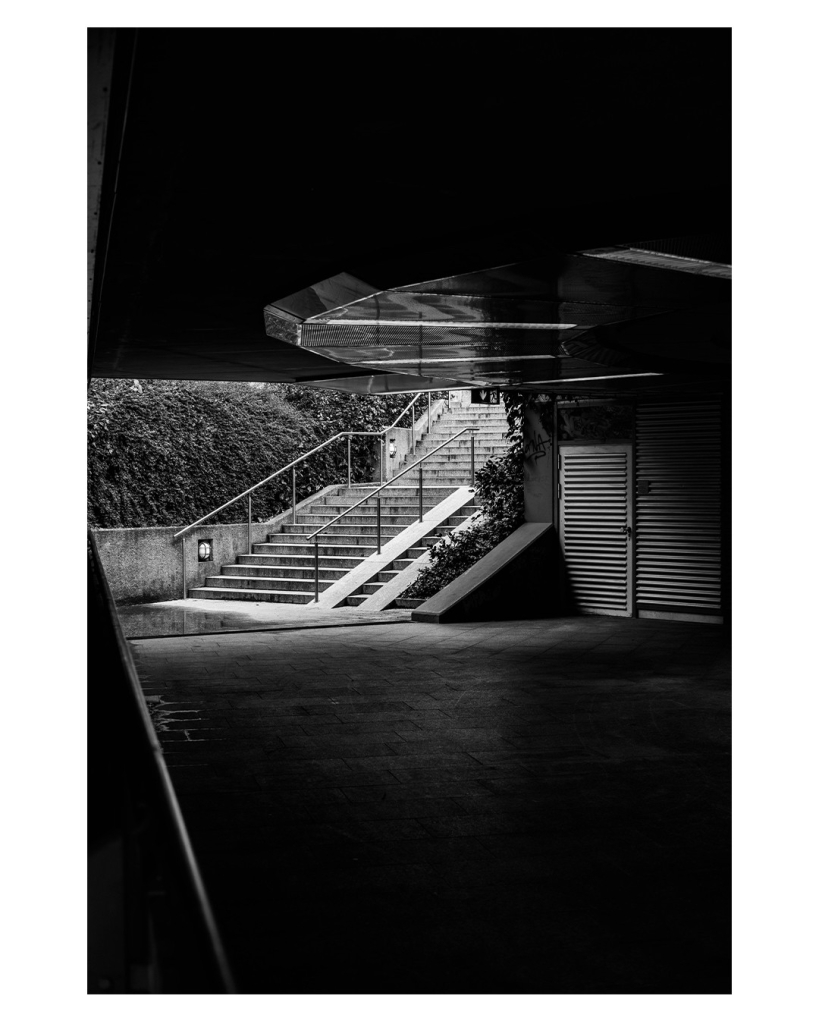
[403, 445]
[538, 470]
[144, 565]
[403, 438]
[516, 580]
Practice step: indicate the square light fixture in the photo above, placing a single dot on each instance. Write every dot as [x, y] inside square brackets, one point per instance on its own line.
[205, 550]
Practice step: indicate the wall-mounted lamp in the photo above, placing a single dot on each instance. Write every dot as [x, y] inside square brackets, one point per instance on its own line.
[392, 447]
[205, 550]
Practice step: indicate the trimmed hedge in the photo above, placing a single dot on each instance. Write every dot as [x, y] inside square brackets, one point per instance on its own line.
[162, 453]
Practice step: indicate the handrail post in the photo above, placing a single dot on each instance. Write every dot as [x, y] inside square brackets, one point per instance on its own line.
[249, 521]
[184, 572]
[377, 492]
[378, 521]
[382, 452]
[472, 436]
[317, 572]
[413, 433]
[294, 496]
[349, 463]
[429, 411]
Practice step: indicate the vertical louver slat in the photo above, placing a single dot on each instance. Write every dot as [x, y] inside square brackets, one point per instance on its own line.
[594, 484]
[678, 507]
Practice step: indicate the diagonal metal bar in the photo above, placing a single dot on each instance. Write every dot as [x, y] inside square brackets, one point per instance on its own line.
[389, 483]
[267, 479]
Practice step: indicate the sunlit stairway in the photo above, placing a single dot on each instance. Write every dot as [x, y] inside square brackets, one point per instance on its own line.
[452, 464]
[282, 569]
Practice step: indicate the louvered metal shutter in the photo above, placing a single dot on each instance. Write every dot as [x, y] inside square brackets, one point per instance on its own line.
[678, 542]
[594, 487]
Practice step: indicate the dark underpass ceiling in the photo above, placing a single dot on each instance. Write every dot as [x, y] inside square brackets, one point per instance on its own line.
[255, 163]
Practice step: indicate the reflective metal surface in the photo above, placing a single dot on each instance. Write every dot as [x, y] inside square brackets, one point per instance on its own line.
[559, 317]
[667, 261]
[389, 383]
[339, 290]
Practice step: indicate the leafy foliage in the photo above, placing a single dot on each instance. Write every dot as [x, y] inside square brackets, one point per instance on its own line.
[166, 452]
[499, 486]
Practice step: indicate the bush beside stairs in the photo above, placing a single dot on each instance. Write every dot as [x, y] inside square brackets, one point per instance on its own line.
[282, 569]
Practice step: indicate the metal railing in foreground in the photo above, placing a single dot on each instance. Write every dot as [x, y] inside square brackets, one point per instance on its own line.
[377, 494]
[150, 924]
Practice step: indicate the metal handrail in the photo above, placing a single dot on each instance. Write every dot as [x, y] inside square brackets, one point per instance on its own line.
[295, 462]
[290, 465]
[151, 827]
[412, 425]
[389, 483]
[404, 413]
[248, 493]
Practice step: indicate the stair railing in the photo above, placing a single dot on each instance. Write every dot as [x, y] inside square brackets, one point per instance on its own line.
[412, 422]
[395, 424]
[132, 806]
[349, 434]
[377, 494]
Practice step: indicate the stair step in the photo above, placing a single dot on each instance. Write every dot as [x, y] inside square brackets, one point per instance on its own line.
[456, 454]
[404, 508]
[296, 572]
[235, 594]
[329, 562]
[267, 583]
[358, 518]
[407, 491]
[358, 551]
[354, 534]
[486, 439]
[282, 568]
[461, 444]
[492, 428]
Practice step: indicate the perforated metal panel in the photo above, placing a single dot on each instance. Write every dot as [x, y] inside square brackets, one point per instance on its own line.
[595, 524]
[678, 511]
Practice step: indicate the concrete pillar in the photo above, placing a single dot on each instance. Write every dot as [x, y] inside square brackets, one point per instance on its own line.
[538, 468]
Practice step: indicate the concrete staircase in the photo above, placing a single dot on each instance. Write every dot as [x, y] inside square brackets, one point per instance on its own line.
[452, 464]
[282, 568]
[410, 554]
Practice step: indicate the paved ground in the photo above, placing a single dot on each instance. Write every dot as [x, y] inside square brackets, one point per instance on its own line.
[491, 807]
[195, 616]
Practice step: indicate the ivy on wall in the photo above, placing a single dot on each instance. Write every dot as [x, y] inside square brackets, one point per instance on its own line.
[499, 487]
[163, 453]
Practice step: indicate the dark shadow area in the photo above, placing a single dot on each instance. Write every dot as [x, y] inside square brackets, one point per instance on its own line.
[526, 587]
[527, 807]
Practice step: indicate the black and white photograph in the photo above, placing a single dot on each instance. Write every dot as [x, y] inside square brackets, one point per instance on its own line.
[409, 510]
